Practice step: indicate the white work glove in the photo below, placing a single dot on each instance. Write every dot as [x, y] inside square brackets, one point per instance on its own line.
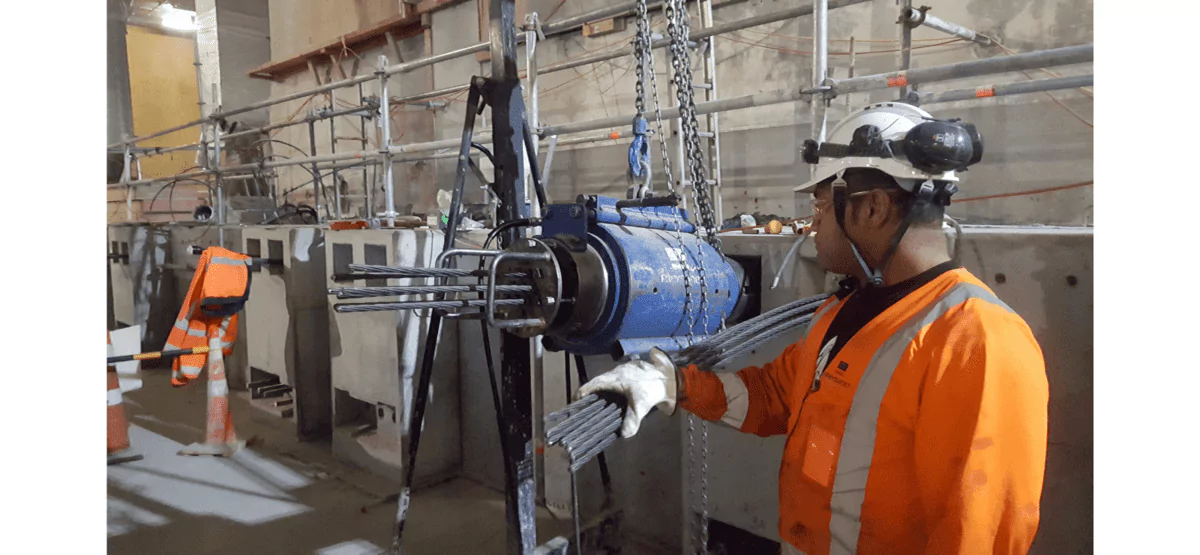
[645, 384]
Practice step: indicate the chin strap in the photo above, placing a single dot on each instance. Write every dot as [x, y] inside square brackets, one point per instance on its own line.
[926, 192]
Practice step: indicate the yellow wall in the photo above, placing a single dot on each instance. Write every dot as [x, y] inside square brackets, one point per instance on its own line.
[162, 82]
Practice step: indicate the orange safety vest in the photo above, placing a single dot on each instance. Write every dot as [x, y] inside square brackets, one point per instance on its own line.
[927, 433]
[218, 291]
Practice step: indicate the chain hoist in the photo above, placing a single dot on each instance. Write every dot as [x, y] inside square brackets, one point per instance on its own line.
[678, 28]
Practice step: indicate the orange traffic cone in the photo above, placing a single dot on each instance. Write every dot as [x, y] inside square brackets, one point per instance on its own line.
[219, 436]
[118, 427]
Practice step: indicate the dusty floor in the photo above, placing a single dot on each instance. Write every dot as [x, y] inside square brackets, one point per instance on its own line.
[277, 496]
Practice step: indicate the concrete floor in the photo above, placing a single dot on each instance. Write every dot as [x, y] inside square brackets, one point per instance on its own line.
[278, 495]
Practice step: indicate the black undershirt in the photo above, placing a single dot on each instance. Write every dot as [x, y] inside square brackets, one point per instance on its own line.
[866, 303]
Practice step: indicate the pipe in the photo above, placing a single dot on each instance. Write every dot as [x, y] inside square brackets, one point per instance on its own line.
[385, 121]
[362, 129]
[432, 94]
[704, 33]
[154, 151]
[317, 185]
[337, 186]
[575, 21]
[387, 71]
[905, 50]
[820, 71]
[988, 91]
[1030, 60]
[723, 105]
[920, 17]
[355, 155]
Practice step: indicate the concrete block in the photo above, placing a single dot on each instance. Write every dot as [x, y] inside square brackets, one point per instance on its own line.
[143, 292]
[287, 311]
[375, 360]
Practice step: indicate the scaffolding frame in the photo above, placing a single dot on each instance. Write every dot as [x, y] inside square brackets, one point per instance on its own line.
[823, 89]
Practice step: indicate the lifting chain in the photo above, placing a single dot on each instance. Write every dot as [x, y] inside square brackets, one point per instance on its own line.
[678, 28]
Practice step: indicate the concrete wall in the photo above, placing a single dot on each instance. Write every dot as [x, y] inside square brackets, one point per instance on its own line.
[1031, 142]
[243, 33]
[120, 110]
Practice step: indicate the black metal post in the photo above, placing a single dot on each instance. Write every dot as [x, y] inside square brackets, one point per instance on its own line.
[318, 187]
[508, 117]
[421, 394]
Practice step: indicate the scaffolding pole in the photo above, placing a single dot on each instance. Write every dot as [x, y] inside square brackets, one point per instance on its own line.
[701, 34]
[385, 123]
[820, 71]
[565, 25]
[1018, 62]
[989, 91]
[1030, 60]
[359, 155]
[483, 46]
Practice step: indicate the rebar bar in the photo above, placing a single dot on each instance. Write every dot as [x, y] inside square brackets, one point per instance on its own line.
[410, 272]
[421, 305]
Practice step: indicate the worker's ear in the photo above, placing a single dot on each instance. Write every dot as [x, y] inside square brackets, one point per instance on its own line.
[873, 209]
[877, 208]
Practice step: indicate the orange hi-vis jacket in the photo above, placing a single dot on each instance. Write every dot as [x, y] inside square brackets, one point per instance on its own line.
[218, 291]
[926, 433]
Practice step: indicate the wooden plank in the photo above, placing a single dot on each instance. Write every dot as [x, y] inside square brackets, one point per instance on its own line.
[335, 62]
[408, 24]
[312, 68]
[427, 6]
[395, 47]
[401, 26]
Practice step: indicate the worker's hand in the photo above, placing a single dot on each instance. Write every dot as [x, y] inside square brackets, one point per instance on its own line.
[645, 384]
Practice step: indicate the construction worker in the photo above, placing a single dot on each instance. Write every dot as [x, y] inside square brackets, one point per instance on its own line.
[915, 408]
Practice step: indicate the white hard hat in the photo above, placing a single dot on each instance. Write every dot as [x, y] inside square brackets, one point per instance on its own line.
[893, 120]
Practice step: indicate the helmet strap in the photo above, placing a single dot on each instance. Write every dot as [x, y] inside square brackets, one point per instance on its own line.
[840, 196]
[926, 192]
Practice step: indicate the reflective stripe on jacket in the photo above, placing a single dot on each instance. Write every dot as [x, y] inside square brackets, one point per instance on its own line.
[219, 286]
[926, 435]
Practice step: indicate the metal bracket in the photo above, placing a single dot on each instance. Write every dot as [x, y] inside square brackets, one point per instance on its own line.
[913, 17]
[533, 22]
[490, 307]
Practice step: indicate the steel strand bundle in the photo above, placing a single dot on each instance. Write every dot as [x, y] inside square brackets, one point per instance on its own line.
[586, 427]
[737, 340]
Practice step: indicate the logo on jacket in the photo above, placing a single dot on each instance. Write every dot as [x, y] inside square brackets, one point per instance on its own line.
[822, 361]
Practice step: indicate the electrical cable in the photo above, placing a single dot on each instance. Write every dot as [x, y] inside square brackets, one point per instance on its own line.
[1026, 193]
